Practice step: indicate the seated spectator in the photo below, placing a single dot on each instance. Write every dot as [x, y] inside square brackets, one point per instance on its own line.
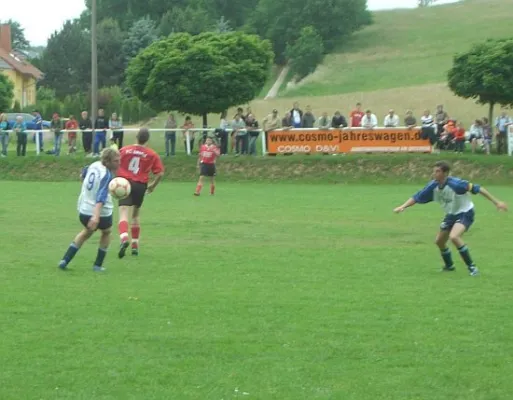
[391, 120]
[428, 130]
[369, 120]
[459, 138]
[475, 134]
[286, 122]
[338, 121]
[324, 121]
[447, 137]
[308, 119]
[410, 121]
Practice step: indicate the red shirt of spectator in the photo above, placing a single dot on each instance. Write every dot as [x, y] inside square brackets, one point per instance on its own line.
[356, 117]
[70, 125]
[208, 154]
[459, 134]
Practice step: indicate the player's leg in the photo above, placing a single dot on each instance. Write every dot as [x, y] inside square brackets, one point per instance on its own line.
[77, 243]
[441, 241]
[199, 186]
[455, 236]
[213, 183]
[135, 230]
[123, 226]
[102, 248]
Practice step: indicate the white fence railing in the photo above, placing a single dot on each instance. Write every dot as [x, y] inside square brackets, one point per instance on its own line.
[176, 130]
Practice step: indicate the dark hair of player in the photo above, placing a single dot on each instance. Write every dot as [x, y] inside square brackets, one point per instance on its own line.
[143, 136]
[443, 165]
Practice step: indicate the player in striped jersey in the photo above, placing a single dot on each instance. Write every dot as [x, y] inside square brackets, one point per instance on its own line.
[95, 207]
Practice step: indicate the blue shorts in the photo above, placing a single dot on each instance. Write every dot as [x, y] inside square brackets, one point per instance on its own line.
[105, 222]
[466, 219]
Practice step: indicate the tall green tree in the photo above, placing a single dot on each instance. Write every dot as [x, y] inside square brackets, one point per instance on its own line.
[6, 93]
[202, 74]
[281, 22]
[111, 61]
[189, 19]
[66, 60]
[484, 73]
[140, 35]
[18, 39]
[306, 53]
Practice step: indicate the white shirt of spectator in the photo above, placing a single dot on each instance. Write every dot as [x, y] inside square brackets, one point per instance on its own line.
[391, 121]
[427, 122]
[369, 122]
[297, 117]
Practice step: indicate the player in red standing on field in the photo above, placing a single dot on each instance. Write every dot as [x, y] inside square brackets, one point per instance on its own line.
[137, 162]
[356, 116]
[207, 165]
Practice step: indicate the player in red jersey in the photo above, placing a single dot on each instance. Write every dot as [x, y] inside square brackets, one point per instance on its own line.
[137, 161]
[207, 165]
[356, 116]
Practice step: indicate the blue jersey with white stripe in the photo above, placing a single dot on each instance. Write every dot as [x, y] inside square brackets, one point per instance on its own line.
[95, 189]
[454, 195]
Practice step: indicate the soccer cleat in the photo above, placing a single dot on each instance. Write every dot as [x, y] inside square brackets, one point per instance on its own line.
[448, 269]
[196, 194]
[97, 268]
[135, 251]
[63, 265]
[122, 248]
[473, 271]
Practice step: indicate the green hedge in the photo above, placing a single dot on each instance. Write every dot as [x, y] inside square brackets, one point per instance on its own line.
[386, 168]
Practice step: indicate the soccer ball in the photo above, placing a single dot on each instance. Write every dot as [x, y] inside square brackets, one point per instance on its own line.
[119, 188]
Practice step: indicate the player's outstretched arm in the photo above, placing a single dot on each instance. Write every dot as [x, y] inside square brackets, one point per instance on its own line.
[410, 202]
[501, 206]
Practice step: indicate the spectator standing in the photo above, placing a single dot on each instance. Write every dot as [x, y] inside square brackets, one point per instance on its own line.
[86, 127]
[487, 135]
[441, 118]
[20, 128]
[188, 127]
[253, 132]
[270, 123]
[356, 116]
[459, 138]
[170, 135]
[501, 124]
[56, 128]
[324, 121]
[4, 134]
[38, 122]
[71, 126]
[475, 134]
[116, 126]
[240, 134]
[428, 129]
[296, 115]
[100, 132]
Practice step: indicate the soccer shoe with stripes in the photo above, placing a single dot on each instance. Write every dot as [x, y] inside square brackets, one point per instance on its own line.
[448, 269]
[473, 271]
[122, 248]
[135, 251]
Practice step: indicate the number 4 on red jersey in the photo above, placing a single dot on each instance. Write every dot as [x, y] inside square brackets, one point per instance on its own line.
[137, 162]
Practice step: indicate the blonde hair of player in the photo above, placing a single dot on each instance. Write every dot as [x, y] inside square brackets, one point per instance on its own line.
[108, 155]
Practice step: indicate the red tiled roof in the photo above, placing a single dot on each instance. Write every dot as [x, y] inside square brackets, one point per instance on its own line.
[19, 65]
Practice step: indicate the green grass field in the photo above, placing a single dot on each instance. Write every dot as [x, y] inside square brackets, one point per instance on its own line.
[261, 292]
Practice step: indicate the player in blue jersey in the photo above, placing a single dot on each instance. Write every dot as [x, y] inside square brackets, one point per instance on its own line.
[95, 207]
[454, 195]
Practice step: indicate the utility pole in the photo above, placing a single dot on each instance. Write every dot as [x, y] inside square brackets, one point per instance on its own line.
[94, 65]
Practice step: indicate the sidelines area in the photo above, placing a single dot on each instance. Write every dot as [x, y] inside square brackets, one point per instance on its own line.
[312, 140]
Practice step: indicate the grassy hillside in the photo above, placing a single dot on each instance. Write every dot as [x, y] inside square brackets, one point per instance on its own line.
[408, 47]
[399, 62]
